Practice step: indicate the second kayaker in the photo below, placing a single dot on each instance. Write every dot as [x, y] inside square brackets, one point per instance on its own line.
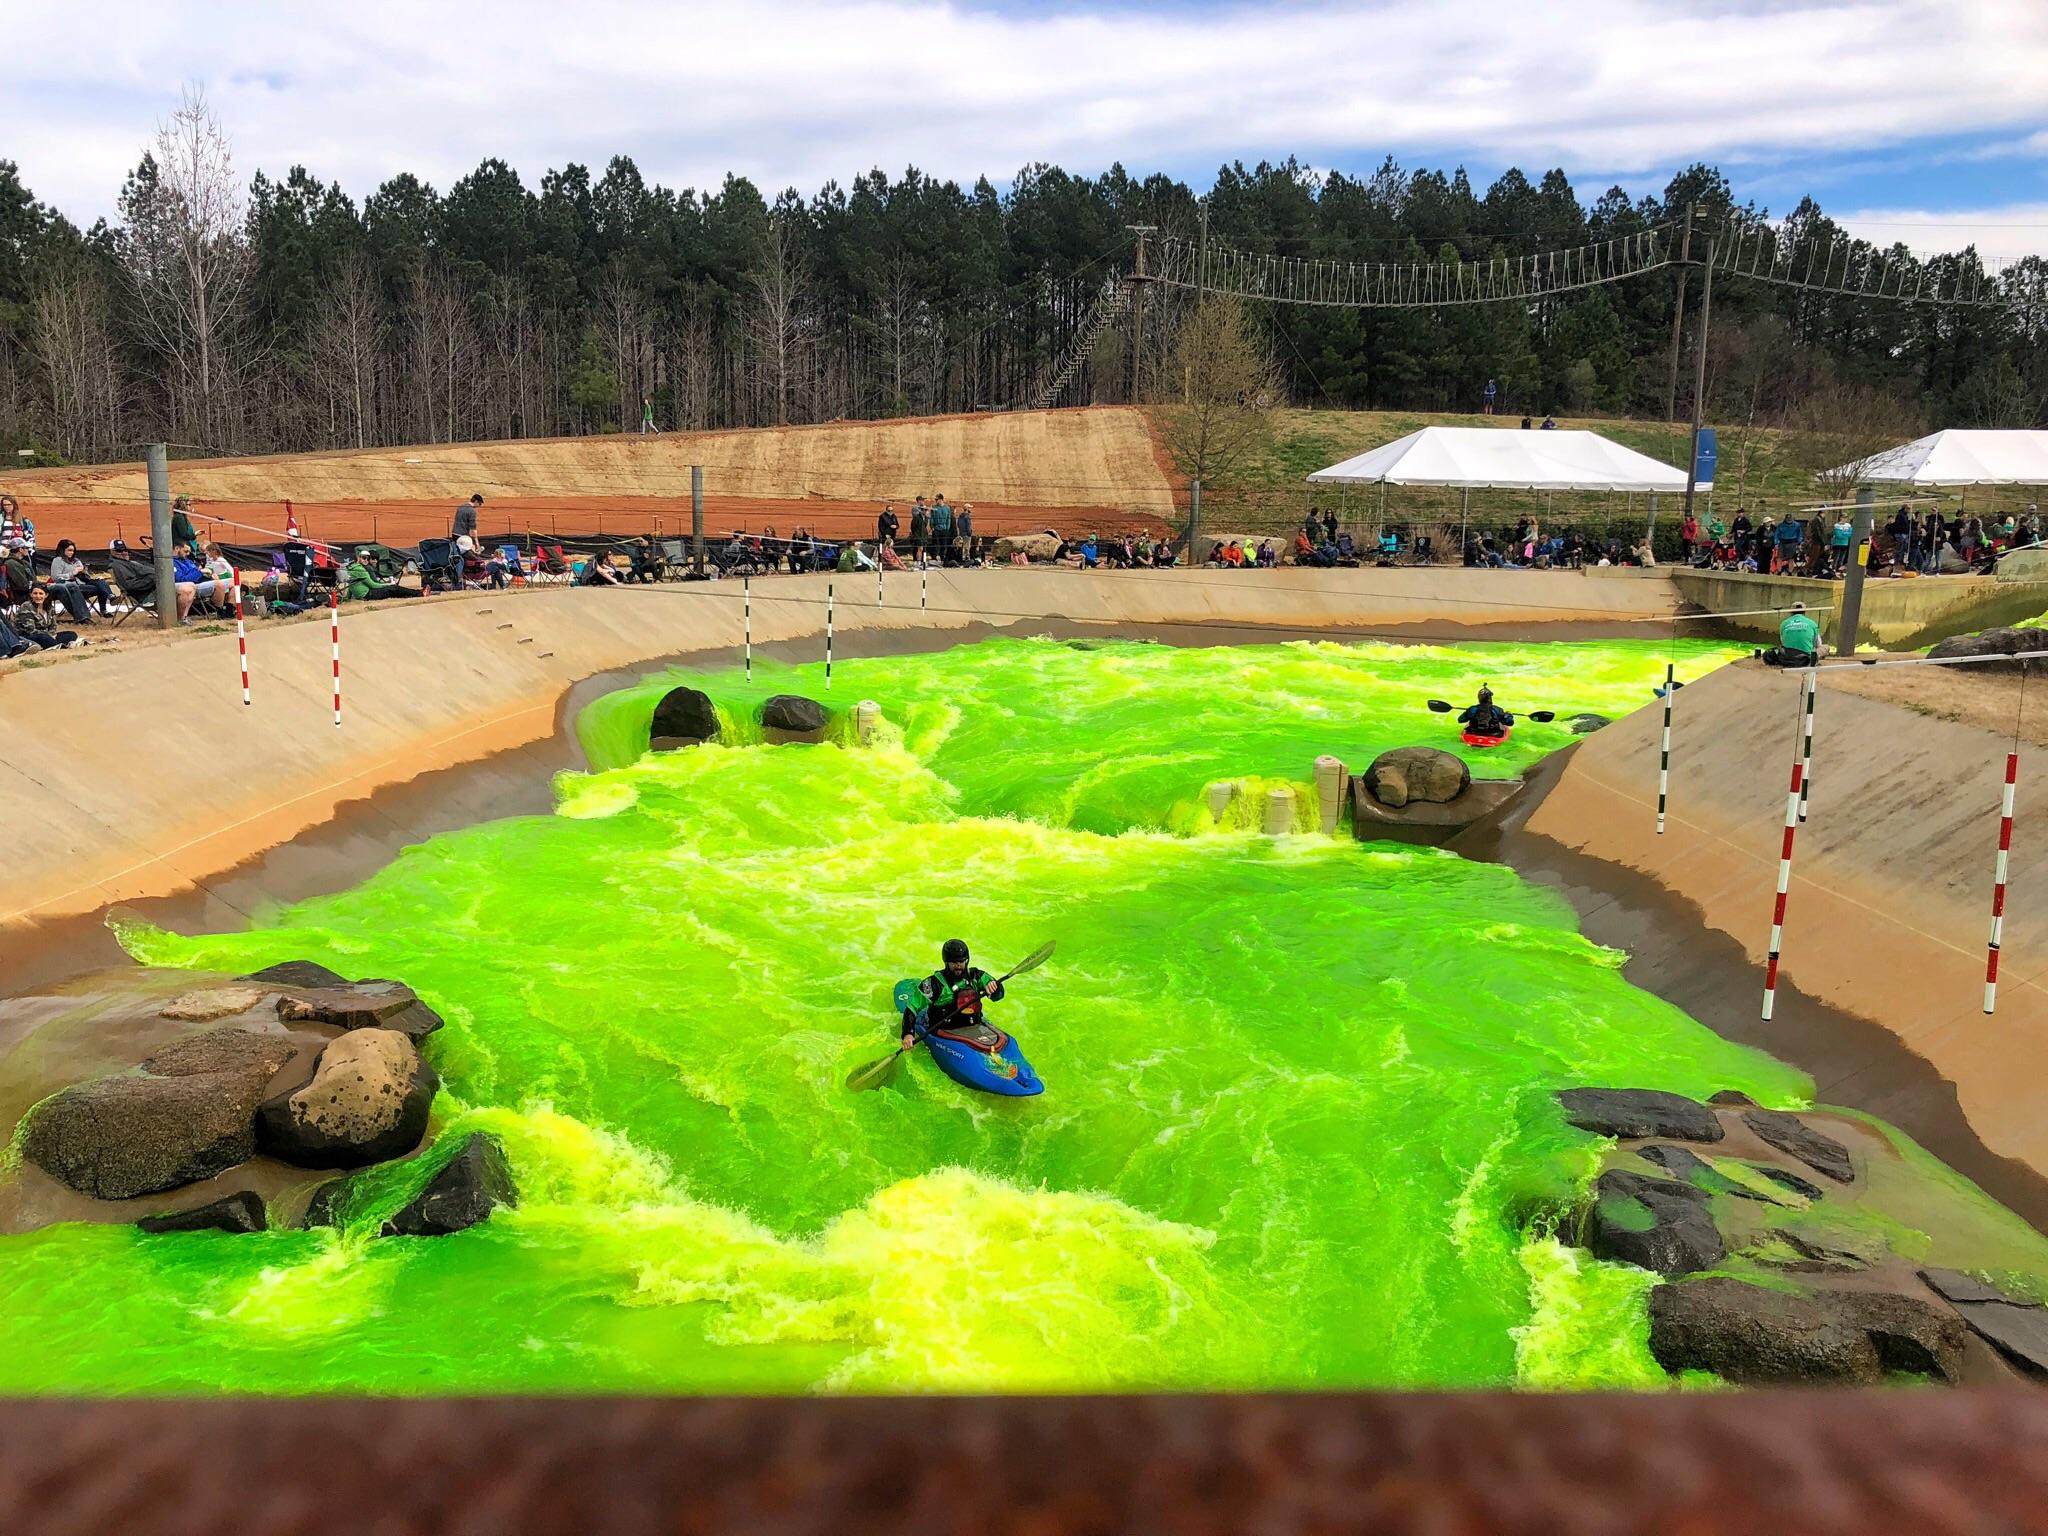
[1486, 718]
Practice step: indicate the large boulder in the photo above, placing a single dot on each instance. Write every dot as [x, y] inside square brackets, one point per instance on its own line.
[298, 973]
[1636, 1112]
[1039, 548]
[1654, 1224]
[1586, 723]
[475, 1182]
[239, 1212]
[374, 1003]
[1417, 773]
[1755, 1336]
[366, 1102]
[2016, 1326]
[186, 1114]
[1994, 642]
[685, 717]
[792, 717]
[1790, 1134]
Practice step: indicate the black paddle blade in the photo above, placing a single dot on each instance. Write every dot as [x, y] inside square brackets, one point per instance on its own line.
[1439, 707]
[1542, 716]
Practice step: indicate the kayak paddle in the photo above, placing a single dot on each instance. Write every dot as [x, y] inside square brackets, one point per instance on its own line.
[1537, 716]
[882, 1071]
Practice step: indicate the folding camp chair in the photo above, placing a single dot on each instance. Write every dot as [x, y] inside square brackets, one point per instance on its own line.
[675, 558]
[520, 575]
[136, 582]
[438, 572]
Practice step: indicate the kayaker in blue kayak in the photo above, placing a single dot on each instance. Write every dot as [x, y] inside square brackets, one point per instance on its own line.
[1486, 718]
[953, 996]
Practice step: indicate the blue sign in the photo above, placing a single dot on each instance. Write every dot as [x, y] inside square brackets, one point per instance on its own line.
[1703, 461]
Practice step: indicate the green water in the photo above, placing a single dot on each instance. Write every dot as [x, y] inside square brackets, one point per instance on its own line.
[1299, 1089]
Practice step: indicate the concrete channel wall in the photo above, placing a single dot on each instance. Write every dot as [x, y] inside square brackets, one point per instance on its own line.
[1908, 611]
[137, 773]
[1889, 907]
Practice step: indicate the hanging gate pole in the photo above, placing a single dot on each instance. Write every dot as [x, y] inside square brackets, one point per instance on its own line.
[747, 619]
[1785, 861]
[2012, 778]
[828, 634]
[1664, 757]
[242, 638]
[334, 635]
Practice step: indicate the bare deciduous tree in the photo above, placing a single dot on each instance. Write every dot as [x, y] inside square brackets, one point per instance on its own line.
[348, 335]
[83, 383]
[1224, 385]
[187, 252]
[777, 318]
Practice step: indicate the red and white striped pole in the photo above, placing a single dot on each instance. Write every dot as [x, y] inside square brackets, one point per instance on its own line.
[1806, 749]
[334, 634]
[2012, 779]
[242, 639]
[1785, 855]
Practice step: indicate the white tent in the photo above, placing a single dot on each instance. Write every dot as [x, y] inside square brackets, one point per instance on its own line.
[1506, 459]
[1958, 456]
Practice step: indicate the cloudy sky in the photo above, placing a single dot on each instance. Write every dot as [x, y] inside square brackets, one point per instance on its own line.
[1922, 120]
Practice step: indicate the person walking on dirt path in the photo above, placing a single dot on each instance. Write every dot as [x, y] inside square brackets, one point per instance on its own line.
[466, 516]
[647, 416]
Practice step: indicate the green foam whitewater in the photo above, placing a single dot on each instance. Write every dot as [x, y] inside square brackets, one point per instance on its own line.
[1299, 1089]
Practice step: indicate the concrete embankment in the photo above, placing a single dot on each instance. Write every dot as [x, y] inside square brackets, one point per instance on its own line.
[1903, 613]
[135, 774]
[1889, 905]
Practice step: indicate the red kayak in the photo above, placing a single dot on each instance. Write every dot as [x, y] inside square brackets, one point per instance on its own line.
[1472, 740]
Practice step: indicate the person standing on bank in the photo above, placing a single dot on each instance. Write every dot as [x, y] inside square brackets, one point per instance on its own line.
[920, 529]
[886, 525]
[942, 529]
[465, 517]
[1487, 394]
[647, 416]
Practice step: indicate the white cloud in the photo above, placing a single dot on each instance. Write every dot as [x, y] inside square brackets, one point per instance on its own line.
[799, 91]
[2012, 230]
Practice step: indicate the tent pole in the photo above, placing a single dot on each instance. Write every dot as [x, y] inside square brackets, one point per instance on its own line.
[1464, 521]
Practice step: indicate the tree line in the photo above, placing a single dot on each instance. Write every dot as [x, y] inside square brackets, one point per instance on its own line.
[281, 315]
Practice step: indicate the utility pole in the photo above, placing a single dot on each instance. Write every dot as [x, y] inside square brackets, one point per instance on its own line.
[1851, 615]
[158, 459]
[697, 518]
[1139, 279]
[1678, 314]
[1699, 376]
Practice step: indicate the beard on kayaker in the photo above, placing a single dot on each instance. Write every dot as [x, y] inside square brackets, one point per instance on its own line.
[953, 995]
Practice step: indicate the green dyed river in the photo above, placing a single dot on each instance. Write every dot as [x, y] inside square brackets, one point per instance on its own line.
[1298, 1089]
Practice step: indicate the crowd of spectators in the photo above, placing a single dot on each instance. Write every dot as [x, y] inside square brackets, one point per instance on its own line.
[1905, 543]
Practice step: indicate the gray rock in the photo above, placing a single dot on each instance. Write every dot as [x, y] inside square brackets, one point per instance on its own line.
[1755, 1336]
[329, 1201]
[1957, 1286]
[794, 714]
[374, 1003]
[1732, 1098]
[1994, 642]
[186, 1114]
[684, 718]
[1793, 1136]
[1586, 724]
[1698, 1172]
[366, 1102]
[1654, 1224]
[1790, 1180]
[475, 1182]
[298, 973]
[239, 1212]
[1837, 1249]
[1417, 773]
[1638, 1112]
[207, 1004]
[2020, 1333]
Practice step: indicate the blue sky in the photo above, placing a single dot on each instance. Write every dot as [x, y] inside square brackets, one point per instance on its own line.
[1922, 120]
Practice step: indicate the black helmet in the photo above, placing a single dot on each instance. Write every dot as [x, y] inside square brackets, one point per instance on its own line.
[955, 950]
[1485, 694]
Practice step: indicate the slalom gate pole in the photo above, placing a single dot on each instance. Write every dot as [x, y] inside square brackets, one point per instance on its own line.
[828, 634]
[334, 634]
[878, 577]
[920, 588]
[2012, 778]
[242, 639]
[1664, 757]
[747, 620]
[1784, 872]
[1806, 751]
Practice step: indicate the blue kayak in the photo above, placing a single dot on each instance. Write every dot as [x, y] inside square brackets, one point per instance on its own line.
[999, 1070]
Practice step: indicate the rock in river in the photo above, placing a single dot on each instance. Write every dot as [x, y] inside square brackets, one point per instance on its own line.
[792, 717]
[1756, 1336]
[239, 1212]
[370, 1004]
[685, 717]
[475, 1182]
[1790, 1134]
[366, 1102]
[185, 1114]
[1654, 1224]
[1630, 1112]
[1417, 773]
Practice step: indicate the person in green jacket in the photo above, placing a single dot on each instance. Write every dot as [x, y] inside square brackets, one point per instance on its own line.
[953, 996]
[361, 584]
[1798, 640]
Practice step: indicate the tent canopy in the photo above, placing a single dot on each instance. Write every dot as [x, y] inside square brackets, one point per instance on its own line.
[1958, 456]
[1506, 459]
